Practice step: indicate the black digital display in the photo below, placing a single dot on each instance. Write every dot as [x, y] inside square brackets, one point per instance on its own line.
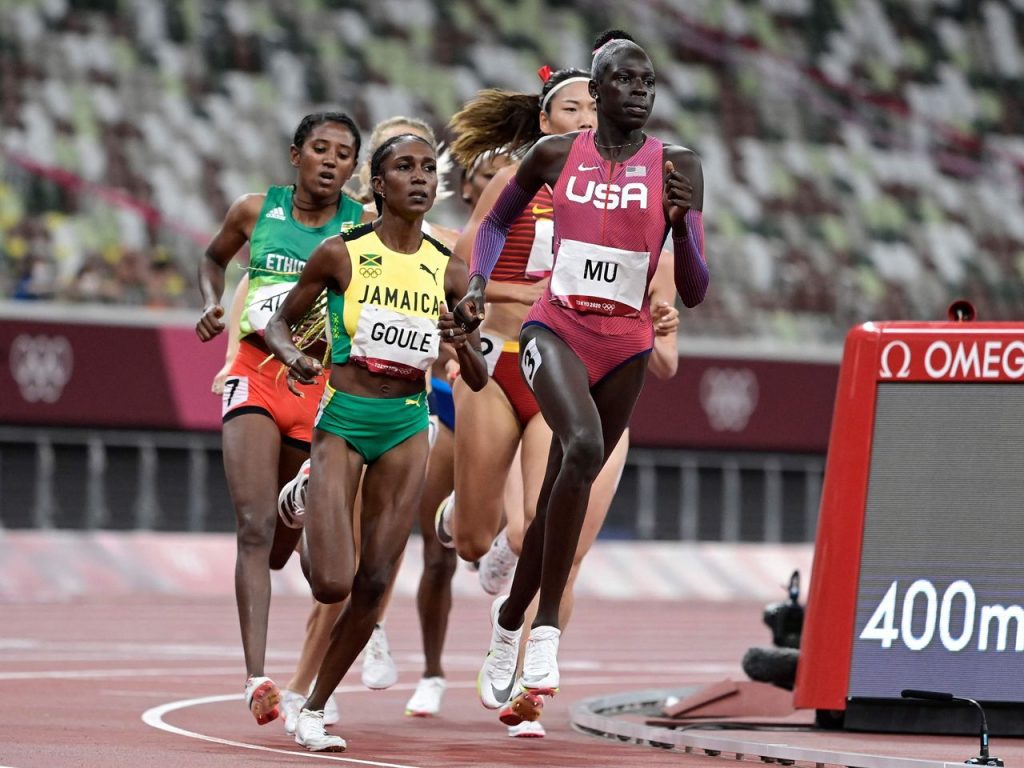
[940, 598]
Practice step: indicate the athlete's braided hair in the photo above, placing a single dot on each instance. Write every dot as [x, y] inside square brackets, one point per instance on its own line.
[309, 122]
[502, 119]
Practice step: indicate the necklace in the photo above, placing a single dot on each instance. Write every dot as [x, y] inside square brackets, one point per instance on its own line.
[335, 202]
[619, 146]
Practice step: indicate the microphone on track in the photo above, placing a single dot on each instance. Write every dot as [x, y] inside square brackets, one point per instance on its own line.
[983, 758]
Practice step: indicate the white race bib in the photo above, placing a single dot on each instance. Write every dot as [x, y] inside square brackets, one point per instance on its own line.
[265, 301]
[390, 341]
[530, 361]
[599, 279]
[236, 392]
[490, 346]
[541, 257]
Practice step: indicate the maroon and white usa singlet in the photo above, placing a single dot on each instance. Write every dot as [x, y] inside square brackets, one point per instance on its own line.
[608, 234]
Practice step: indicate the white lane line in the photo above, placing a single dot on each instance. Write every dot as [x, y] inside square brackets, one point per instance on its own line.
[683, 669]
[100, 674]
[154, 717]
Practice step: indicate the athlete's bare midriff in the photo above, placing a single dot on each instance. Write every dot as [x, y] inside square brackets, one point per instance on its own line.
[357, 380]
[504, 319]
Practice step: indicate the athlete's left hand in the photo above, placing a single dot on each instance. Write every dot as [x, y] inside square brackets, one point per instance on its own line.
[469, 312]
[678, 196]
[451, 331]
[665, 318]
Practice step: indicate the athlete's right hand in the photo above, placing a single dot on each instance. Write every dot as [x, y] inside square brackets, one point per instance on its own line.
[209, 324]
[217, 387]
[305, 370]
[469, 312]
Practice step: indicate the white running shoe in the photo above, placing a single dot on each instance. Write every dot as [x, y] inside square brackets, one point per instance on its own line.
[291, 501]
[540, 663]
[528, 729]
[262, 697]
[443, 522]
[291, 705]
[332, 715]
[379, 670]
[497, 677]
[498, 565]
[426, 700]
[310, 733]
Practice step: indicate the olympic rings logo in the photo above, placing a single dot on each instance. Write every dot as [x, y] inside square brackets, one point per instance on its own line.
[41, 365]
[370, 272]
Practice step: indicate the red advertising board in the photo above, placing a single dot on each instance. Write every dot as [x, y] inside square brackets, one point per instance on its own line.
[97, 375]
[738, 404]
[102, 374]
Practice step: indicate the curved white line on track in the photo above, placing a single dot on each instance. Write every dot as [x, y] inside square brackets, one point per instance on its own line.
[154, 718]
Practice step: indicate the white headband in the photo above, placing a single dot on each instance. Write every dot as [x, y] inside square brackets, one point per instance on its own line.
[553, 91]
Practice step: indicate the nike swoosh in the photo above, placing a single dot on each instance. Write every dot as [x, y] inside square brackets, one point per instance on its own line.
[583, 167]
[539, 211]
[503, 695]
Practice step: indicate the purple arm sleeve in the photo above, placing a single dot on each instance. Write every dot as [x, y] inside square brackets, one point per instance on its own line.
[691, 269]
[490, 237]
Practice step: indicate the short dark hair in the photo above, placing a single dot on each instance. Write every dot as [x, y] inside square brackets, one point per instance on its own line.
[309, 122]
[381, 154]
[606, 45]
[608, 35]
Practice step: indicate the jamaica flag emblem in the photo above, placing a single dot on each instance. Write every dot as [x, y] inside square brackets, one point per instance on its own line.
[370, 264]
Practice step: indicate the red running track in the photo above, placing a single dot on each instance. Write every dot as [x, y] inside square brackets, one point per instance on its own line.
[157, 681]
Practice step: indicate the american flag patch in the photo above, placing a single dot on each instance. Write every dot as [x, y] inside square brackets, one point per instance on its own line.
[636, 170]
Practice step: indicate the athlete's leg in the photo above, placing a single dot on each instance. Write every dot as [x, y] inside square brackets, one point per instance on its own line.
[252, 446]
[601, 495]
[586, 426]
[533, 451]
[434, 596]
[485, 444]
[329, 535]
[391, 492]
[285, 538]
[515, 499]
[318, 636]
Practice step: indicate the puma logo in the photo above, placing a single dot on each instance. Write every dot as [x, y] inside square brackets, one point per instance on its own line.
[429, 271]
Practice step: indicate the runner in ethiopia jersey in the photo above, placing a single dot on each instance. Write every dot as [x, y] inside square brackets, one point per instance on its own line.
[267, 429]
[584, 345]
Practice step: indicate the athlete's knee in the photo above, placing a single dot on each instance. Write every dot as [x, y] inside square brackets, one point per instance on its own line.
[471, 549]
[583, 454]
[472, 545]
[438, 567]
[330, 588]
[370, 587]
[255, 530]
